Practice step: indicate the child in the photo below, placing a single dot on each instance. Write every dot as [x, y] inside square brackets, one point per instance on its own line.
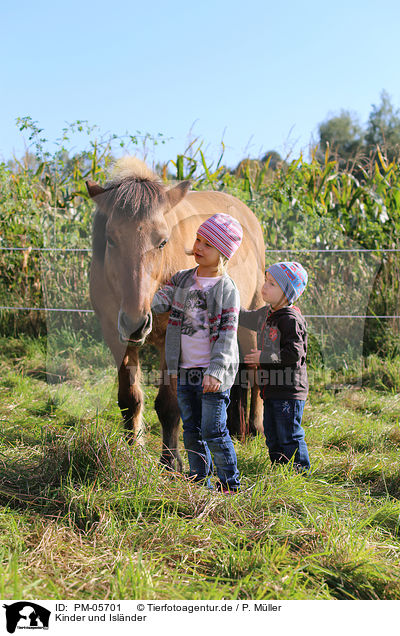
[282, 348]
[202, 351]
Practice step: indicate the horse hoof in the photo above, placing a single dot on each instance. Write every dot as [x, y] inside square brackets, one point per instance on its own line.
[171, 463]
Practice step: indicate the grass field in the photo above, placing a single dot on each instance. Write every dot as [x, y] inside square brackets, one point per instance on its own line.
[83, 515]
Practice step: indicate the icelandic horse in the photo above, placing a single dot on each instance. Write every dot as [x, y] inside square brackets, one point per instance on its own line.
[141, 230]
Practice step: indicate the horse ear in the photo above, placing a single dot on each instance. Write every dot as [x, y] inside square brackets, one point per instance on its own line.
[94, 189]
[177, 193]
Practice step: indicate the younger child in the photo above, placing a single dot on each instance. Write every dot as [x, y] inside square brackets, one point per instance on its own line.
[281, 354]
[202, 351]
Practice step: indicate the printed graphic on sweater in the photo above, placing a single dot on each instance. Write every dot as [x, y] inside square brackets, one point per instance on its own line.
[195, 318]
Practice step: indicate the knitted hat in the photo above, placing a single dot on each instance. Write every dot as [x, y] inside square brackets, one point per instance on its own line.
[223, 232]
[291, 277]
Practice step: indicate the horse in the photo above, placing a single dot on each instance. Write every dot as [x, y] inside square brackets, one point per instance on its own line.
[142, 230]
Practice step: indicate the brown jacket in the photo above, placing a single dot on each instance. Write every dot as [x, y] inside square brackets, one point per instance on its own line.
[282, 339]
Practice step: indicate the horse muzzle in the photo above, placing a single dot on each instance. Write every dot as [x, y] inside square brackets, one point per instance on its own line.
[131, 332]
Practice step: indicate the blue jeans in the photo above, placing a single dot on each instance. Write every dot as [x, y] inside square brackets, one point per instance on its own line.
[284, 434]
[205, 431]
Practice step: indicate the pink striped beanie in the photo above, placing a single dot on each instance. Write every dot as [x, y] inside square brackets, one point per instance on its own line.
[223, 232]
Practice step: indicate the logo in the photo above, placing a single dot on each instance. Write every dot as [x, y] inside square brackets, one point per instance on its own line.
[195, 377]
[26, 615]
[273, 334]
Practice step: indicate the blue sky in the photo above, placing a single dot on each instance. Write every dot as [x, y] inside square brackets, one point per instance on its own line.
[259, 74]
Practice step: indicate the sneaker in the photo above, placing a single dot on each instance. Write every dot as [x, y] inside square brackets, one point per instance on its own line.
[225, 490]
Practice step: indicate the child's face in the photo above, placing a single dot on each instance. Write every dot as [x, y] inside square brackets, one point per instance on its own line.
[205, 254]
[272, 293]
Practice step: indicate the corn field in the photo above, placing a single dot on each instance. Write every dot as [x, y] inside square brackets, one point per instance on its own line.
[343, 228]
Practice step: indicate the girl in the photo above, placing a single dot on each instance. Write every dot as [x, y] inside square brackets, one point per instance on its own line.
[201, 348]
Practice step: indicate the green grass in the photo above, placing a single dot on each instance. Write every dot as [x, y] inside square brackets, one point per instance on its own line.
[84, 515]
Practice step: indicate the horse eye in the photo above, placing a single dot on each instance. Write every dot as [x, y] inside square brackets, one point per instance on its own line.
[162, 244]
[110, 242]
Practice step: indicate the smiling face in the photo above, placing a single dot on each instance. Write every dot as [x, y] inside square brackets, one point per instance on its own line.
[206, 256]
[272, 293]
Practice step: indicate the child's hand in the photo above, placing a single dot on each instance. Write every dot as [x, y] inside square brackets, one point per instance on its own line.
[210, 384]
[253, 358]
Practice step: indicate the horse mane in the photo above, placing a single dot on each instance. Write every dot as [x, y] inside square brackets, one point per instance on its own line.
[134, 189]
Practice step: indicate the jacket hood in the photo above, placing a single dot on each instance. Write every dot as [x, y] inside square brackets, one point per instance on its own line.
[291, 310]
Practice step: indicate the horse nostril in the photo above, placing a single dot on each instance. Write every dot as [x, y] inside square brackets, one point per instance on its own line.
[129, 329]
[125, 324]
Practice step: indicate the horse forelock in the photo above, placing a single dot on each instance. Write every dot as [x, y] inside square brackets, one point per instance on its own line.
[135, 197]
[133, 189]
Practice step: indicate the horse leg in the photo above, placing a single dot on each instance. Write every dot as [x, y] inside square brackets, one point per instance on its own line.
[237, 409]
[256, 406]
[130, 396]
[250, 341]
[166, 405]
[256, 403]
[246, 420]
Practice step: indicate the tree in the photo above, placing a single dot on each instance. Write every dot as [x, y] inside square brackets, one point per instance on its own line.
[343, 136]
[383, 128]
[274, 159]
